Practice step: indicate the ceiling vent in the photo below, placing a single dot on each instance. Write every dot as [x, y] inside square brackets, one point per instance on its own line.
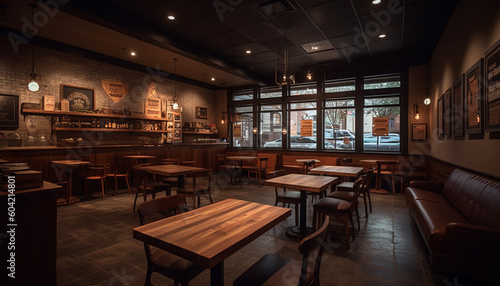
[273, 8]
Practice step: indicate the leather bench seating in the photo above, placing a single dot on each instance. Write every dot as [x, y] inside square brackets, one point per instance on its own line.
[460, 223]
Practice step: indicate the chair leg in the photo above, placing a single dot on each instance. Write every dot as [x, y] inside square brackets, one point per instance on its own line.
[365, 203]
[103, 190]
[135, 200]
[116, 185]
[86, 187]
[357, 216]
[369, 200]
[148, 277]
[297, 214]
[346, 222]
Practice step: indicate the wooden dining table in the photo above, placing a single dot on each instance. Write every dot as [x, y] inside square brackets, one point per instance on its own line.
[208, 235]
[303, 183]
[379, 163]
[172, 170]
[339, 171]
[67, 166]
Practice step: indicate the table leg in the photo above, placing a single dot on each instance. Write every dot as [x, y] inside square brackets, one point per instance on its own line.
[180, 181]
[71, 199]
[217, 274]
[302, 230]
[378, 183]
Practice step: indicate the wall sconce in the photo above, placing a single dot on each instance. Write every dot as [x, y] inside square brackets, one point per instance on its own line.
[255, 130]
[309, 75]
[223, 120]
[284, 131]
[417, 114]
[427, 99]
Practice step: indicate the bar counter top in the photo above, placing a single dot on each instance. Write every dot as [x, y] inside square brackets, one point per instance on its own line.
[106, 146]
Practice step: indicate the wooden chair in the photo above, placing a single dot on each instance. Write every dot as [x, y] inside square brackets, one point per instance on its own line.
[64, 191]
[172, 266]
[329, 206]
[120, 174]
[276, 270]
[220, 166]
[172, 181]
[169, 161]
[258, 170]
[389, 173]
[286, 197]
[147, 185]
[96, 172]
[345, 190]
[308, 166]
[201, 188]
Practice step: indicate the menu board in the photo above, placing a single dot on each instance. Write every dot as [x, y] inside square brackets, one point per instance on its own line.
[380, 126]
[493, 89]
[306, 127]
[9, 112]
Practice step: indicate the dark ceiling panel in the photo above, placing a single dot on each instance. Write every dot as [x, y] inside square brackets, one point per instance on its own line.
[243, 16]
[301, 61]
[307, 36]
[326, 56]
[294, 22]
[332, 12]
[313, 3]
[340, 29]
[203, 29]
[386, 47]
[184, 11]
[224, 41]
[259, 31]
[381, 22]
[257, 58]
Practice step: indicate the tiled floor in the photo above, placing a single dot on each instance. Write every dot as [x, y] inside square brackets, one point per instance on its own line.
[95, 245]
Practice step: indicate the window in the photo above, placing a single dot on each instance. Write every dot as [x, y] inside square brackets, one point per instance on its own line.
[340, 85]
[243, 126]
[303, 125]
[382, 106]
[306, 89]
[270, 126]
[381, 82]
[339, 124]
[271, 92]
[243, 95]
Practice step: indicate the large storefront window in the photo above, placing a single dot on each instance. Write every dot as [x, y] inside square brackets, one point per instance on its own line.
[270, 126]
[303, 125]
[385, 138]
[243, 126]
[339, 124]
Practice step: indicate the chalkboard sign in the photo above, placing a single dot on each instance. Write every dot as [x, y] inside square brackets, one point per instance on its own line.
[80, 99]
[9, 112]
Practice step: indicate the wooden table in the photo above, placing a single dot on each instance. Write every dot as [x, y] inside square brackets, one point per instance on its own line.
[240, 159]
[339, 171]
[68, 166]
[303, 183]
[139, 159]
[208, 235]
[379, 164]
[172, 170]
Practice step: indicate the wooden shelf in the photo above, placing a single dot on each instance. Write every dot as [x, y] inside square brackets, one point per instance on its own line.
[107, 130]
[198, 133]
[84, 114]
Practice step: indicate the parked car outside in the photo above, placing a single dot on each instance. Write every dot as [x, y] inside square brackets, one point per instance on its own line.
[391, 142]
[338, 141]
[297, 142]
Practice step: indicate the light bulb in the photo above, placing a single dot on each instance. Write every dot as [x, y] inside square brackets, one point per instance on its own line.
[33, 86]
[427, 101]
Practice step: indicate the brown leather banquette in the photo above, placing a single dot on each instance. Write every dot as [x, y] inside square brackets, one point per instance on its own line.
[460, 223]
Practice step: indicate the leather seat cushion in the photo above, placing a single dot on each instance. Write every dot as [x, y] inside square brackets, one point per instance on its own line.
[346, 196]
[329, 203]
[413, 194]
[289, 194]
[273, 270]
[432, 219]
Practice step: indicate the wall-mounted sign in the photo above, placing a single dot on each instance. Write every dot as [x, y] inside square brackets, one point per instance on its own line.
[49, 102]
[116, 90]
[152, 107]
[380, 126]
[237, 130]
[306, 127]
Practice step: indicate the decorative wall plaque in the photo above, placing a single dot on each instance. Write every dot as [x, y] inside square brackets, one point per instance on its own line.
[116, 90]
[152, 107]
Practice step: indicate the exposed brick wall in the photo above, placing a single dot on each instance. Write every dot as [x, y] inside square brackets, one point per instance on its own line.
[72, 68]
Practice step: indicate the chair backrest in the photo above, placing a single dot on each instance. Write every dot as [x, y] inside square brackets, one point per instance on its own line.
[307, 245]
[197, 175]
[370, 174]
[169, 161]
[309, 165]
[346, 161]
[357, 189]
[97, 170]
[264, 161]
[144, 176]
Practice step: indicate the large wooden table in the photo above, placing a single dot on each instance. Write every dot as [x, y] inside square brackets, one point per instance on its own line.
[172, 170]
[340, 171]
[67, 166]
[303, 183]
[208, 235]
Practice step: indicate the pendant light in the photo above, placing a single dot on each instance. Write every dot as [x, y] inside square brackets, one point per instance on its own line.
[34, 78]
[175, 100]
[285, 78]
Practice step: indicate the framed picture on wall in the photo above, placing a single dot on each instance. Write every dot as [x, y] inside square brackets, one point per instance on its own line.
[201, 112]
[439, 117]
[9, 112]
[458, 107]
[419, 132]
[79, 98]
[474, 99]
[447, 112]
[492, 101]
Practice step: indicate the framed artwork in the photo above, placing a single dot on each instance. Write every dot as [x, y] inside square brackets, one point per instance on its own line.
[79, 98]
[419, 132]
[474, 99]
[492, 101]
[177, 125]
[170, 116]
[439, 117]
[458, 107]
[9, 112]
[201, 112]
[447, 112]
[177, 116]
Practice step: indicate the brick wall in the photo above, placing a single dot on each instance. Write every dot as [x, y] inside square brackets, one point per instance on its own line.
[72, 68]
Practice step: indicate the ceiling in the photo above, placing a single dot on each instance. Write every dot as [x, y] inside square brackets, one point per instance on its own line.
[210, 37]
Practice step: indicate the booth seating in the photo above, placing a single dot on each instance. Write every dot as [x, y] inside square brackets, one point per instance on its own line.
[291, 165]
[460, 223]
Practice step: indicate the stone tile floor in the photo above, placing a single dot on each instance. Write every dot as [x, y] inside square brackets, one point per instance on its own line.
[95, 244]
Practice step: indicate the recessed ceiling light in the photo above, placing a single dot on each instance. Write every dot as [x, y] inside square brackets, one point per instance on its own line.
[132, 54]
[248, 51]
[376, 2]
[171, 17]
[314, 48]
[381, 36]
[212, 79]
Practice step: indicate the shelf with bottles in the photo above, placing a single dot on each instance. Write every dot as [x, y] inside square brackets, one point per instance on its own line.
[89, 114]
[67, 123]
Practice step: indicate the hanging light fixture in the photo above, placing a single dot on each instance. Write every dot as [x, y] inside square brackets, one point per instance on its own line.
[175, 100]
[287, 77]
[427, 99]
[417, 114]
[223, 120]
[34, 78]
